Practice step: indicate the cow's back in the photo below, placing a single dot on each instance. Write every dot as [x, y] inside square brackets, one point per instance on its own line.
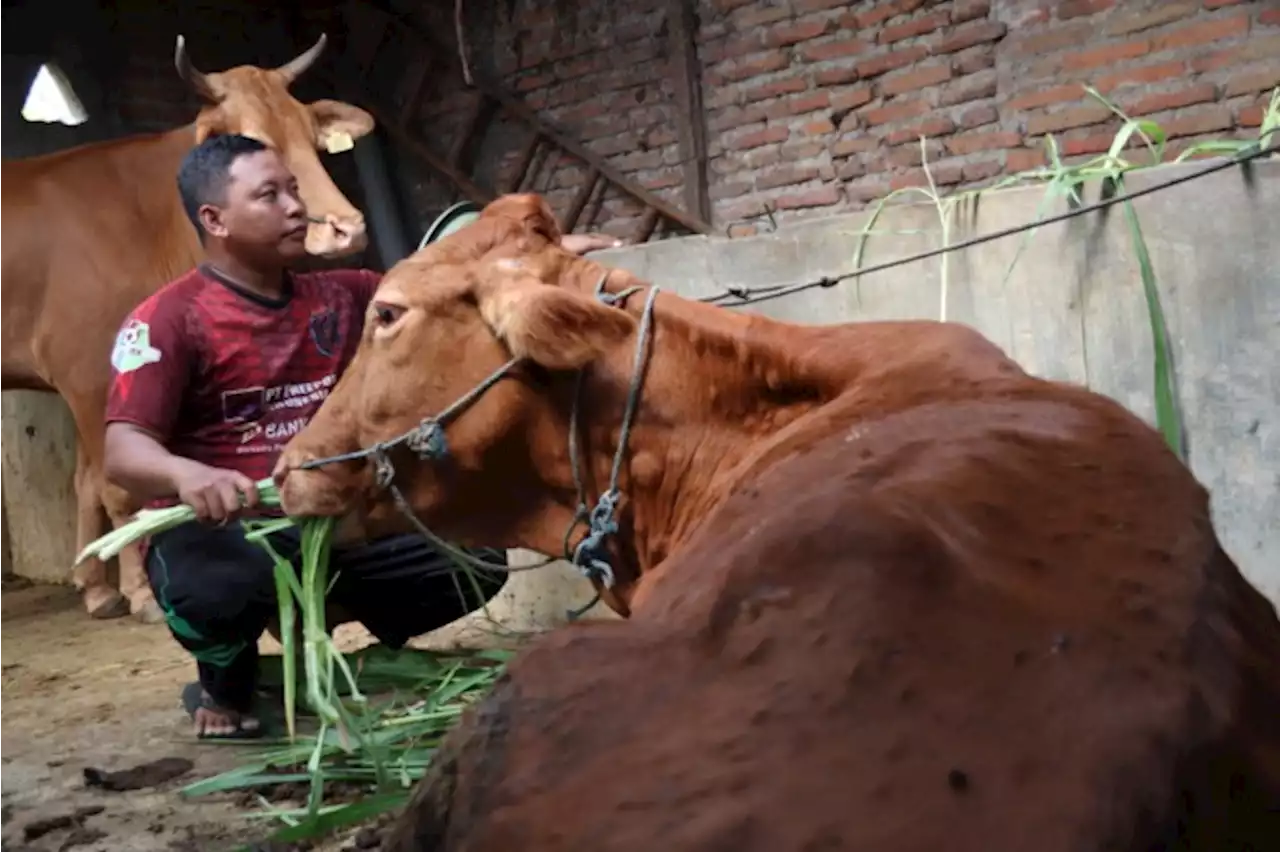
[993, 625]
[88, 233]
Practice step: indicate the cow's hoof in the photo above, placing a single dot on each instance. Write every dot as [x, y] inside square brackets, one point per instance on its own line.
[106, 605]
[149, 613]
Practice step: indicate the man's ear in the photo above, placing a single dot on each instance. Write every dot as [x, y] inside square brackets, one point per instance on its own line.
[335, 119]
[559, 329]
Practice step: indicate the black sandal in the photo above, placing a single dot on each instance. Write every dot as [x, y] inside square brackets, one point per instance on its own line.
[194, 698]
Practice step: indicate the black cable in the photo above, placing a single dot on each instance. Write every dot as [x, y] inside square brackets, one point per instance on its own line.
[753, 295]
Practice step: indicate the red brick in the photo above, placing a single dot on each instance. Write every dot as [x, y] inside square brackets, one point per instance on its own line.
[852, 99]
[786, 176]
[836, 76]
[1024, 159]
[909, 155]
[1141, 76]
[978, 116]
[805, 6]
[796, 33]
[1262, 80]
[1094, 143]
[1164, 13]
[818, 127]
[918, 78]
[912, 28]
[979, 33]
[1027, 42]
[976, 59]
[980, 171]
[823, 196]
[1207, 120]
[758, 15]
[968, 90]
[865, 192]
[895, 112]
[1081, 116]
[534, 81]
[1108, 55]
[735, 117]
[1198, 94]
[833, 50]
[1250, 116]
[961, 11]
[972, 143]
[794, 152]
[759, 137]
[778, 88]
[1069, 9]
[850, 169]
[808, 103]
[854, 145]
[733, 48]
[933, 127]
[885, 62]
[747, 69]
[1265, 47]
[947, 174]
[1045, 97]
[739, 210]
[1203, 33]
[1270, 18]
[883, 11]
[663, 180]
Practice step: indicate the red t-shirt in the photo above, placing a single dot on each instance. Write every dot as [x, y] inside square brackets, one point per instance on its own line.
[227, 377]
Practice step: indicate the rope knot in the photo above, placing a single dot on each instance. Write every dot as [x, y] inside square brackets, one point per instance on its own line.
[428, 441]
[590, 556]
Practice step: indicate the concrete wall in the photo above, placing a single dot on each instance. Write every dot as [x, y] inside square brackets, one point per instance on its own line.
[815, 106]
[1072, 309]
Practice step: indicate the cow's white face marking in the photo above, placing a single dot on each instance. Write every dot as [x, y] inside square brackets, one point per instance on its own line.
[133, 348]
[510, 264]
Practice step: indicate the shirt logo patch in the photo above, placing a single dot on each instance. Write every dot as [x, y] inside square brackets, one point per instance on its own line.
[133, 348]
[324, 331]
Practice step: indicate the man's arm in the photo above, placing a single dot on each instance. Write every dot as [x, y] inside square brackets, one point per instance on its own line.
[151, 362]
[583, 243]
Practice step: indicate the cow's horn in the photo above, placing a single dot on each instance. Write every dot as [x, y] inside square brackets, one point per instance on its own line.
[293, 69]
[190, 74]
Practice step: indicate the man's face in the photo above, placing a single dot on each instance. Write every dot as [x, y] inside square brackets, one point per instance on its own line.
[262, 218]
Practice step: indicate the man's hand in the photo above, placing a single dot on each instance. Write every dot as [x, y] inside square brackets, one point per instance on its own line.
[214, 493]
[583, 243]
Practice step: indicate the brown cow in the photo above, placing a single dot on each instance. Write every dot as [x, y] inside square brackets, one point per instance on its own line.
[95, 229]
[887, 591]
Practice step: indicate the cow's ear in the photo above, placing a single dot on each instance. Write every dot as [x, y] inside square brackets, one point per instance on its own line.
[529, 209]
[557, 328]
[338, 120]
[210, 122]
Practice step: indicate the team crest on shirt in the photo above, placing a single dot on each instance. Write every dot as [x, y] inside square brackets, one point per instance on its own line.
[133, 347]
[324, 331]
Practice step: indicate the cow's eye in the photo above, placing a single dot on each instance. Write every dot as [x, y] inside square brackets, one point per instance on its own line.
[387, 314]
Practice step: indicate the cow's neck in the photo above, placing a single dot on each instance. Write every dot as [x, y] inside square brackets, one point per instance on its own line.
[716, 383]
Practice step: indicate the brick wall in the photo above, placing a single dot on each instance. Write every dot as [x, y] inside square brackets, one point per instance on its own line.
[816, 106]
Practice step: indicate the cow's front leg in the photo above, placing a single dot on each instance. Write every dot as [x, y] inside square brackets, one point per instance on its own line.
[133, 574]
[90, 577]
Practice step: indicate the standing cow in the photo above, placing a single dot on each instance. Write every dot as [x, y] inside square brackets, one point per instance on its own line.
[94, 230]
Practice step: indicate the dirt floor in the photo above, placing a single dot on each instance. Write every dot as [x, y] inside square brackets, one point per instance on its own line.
[83, 695]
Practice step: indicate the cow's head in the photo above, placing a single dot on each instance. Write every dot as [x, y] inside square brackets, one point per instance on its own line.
[441, 322]
[255, 102]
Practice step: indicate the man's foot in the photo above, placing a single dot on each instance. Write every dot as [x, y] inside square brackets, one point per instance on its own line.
[214, 722]
[147, 611]
[104, 602]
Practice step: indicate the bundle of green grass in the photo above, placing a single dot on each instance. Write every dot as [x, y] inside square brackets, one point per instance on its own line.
[379, 747]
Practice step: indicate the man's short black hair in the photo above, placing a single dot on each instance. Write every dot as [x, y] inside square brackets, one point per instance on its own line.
[202, 177]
